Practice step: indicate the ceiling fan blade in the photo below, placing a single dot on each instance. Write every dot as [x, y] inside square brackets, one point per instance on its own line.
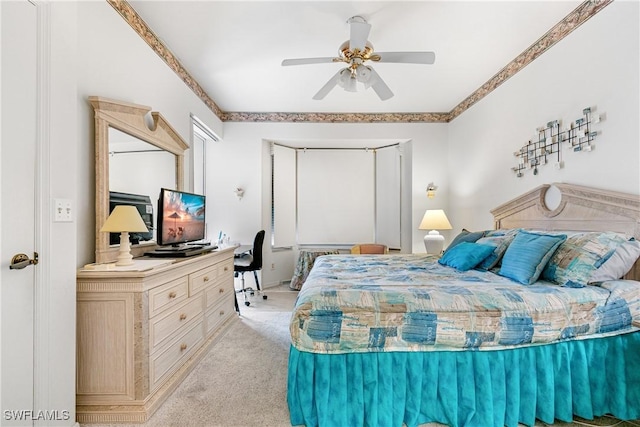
[304, 61]
[359, 31]
[324, 90]
[408, 57]
[379, 86]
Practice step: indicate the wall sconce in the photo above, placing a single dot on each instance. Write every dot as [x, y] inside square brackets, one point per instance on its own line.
[239, 192]
[431, 190]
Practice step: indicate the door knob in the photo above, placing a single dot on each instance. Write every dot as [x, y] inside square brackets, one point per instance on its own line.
[20, 261]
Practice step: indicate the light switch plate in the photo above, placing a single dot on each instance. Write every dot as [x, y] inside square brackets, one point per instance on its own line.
[63, 210]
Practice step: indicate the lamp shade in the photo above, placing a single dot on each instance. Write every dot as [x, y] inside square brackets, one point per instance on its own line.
[124, 218]
[435, 219]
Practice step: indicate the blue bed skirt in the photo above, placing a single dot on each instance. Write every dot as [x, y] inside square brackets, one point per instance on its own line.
[586, 378]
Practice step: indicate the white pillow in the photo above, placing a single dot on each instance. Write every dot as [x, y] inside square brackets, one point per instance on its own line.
[619, 263]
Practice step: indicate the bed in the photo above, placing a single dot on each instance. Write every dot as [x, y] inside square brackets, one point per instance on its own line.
[545, 326]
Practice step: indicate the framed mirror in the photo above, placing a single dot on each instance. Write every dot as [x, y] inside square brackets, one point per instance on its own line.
[137, 154]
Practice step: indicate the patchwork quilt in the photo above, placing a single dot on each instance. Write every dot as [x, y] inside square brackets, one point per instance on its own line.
[374, 303]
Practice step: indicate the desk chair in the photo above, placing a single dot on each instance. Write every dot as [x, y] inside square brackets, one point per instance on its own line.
[249, 261]
[369, 248]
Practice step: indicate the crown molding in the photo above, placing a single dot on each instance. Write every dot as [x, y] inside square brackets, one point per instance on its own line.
[336, 117]
[577, 17]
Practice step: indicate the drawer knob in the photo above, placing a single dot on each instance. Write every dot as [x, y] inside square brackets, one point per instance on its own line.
[205, 279]
[221, 290]
[226, 268]
[183, 316]
[183, 347]
[172, 295]
[221, 312]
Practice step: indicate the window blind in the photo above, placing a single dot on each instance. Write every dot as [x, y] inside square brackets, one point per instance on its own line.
[335, 196]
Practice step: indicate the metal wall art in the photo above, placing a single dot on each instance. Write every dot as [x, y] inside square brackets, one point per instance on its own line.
[545, 146]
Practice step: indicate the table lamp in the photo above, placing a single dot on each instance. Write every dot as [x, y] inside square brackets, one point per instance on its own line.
[434, 220]
[124, 219]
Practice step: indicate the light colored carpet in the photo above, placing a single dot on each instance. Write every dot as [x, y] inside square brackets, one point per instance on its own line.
[242, 381]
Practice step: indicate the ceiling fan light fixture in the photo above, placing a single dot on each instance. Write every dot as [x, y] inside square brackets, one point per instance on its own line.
[347, 81]
[366, 76]
[354, 52]
[351, 86]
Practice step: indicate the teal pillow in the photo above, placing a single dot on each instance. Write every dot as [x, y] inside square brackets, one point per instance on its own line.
[528, 254]
[502, 232]
[465, 236]
[464, 256]
[500, 245]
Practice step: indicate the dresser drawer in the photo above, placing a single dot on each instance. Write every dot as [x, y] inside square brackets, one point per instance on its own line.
[225, 269]
[162, 327]
[164, 362]
[201, 279]
[220, 290]
[168, 295]
[205, 277]
[218, 314]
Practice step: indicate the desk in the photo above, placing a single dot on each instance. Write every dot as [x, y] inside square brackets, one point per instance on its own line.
[306, 258]
[240, 249]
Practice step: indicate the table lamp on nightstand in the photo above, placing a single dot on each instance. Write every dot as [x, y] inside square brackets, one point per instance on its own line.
[124, 219]
[434, 220]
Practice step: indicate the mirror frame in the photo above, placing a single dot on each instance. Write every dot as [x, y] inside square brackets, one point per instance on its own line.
[128, 118]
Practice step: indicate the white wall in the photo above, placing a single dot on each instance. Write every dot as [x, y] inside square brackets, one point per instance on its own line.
[92, 52]
[595, 66]
[114, 62]
[60, 352]
[242, 160]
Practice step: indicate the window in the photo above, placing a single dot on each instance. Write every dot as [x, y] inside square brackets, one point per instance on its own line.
[335, 197]
[201, 136]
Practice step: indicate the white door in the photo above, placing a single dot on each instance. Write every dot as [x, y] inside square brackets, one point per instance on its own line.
[18, 123]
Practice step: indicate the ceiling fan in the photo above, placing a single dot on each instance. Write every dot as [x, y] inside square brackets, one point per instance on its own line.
[355, 52]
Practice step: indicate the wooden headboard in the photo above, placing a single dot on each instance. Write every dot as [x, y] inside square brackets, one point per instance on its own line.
[579, 209]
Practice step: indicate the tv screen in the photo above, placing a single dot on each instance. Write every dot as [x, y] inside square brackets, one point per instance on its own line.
[181, 217]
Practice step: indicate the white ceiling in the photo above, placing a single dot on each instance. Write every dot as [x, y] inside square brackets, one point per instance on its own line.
[234, 48]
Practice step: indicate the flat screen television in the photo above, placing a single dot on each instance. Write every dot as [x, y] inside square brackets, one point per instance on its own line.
[181, 218]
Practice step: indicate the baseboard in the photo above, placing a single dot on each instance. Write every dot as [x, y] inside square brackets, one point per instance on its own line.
[276, 284]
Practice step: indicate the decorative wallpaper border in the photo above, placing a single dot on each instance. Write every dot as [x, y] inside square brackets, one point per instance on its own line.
[577, 17]
[139, 26]
[337, 117]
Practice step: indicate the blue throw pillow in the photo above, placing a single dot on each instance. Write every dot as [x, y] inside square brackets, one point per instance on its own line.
[464, 256]
[465, 236]
[528, 254]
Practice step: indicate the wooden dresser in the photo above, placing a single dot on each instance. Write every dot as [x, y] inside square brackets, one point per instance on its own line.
[139, 333]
